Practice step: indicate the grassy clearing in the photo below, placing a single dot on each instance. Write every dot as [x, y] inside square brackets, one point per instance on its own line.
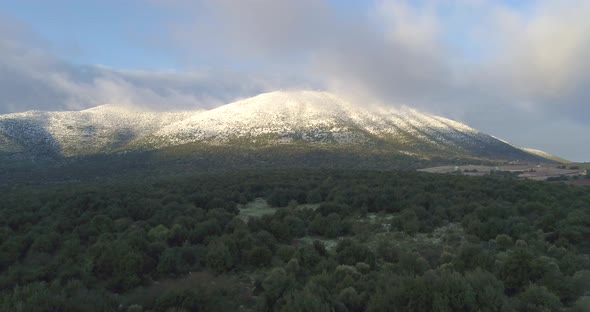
[380, 229]
[260, 207]
[255, 209]
[330, 244]
[376, 227]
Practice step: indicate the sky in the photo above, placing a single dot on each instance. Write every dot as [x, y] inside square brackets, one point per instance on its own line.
[515, 69]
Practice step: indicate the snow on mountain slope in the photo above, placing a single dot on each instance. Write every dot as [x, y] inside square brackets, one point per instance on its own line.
[282, 117]
[307, 114]
[8, 146]
[100, 129]
[324, 118]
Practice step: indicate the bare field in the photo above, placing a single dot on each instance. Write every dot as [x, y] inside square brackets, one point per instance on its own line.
[527, 171]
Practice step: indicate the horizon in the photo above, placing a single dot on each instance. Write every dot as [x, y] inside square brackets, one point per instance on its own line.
[517, 70]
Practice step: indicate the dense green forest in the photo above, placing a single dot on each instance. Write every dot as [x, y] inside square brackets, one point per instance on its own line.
[20, 169]
[329, 240]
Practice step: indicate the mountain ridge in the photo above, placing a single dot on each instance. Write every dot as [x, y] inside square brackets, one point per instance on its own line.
[273, 118]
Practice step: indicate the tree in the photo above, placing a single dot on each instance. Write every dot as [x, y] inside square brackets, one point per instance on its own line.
[582, 305]
[314, 196]
[34, 297]
[159, 233]
[488, 290]
[351, 299]
[413, 263]
[538, 298]
[410, 222]
[387, 250]
[219, 257]
[350, 252]
[274, 285]
[119, 264]
[516, 271]
[172, 262]
[260, 256]
[305, 300]
[504, 241]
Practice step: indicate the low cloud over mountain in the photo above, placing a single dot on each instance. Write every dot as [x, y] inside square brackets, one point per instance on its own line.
[517, 70]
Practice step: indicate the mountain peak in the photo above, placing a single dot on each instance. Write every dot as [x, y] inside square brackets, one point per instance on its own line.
[283, 101]
[113, 108]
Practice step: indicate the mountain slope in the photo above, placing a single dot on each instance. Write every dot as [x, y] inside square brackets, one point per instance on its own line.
[323, 118]
[303, 118]
[101, 129]
[546, 155]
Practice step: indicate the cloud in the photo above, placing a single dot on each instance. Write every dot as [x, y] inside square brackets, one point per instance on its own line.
[34, 78]
[547, 56]
[388, 52]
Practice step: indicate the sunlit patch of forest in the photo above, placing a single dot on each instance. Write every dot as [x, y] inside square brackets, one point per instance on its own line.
[296, 240]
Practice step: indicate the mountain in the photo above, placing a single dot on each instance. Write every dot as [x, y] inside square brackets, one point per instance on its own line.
[102, 129]
[294, 118]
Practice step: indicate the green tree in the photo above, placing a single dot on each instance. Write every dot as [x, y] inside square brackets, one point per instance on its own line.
[314, 196]
[517, 271]
[172, 262]
[409, 221]
[159, 233]
[219, 257]
[260, 256]
[538, 298]
[274, 285]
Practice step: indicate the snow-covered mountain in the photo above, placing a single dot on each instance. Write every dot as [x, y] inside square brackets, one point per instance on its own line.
[100, 129]
[282, 117]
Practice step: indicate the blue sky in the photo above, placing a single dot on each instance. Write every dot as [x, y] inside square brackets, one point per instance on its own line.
[125, 34]
[111, 33]
[488, 63]
[128, 34]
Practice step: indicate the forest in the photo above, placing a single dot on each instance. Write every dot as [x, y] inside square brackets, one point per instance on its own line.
[296, 240]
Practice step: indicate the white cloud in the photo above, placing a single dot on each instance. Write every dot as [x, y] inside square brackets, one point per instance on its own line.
[31, 77]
